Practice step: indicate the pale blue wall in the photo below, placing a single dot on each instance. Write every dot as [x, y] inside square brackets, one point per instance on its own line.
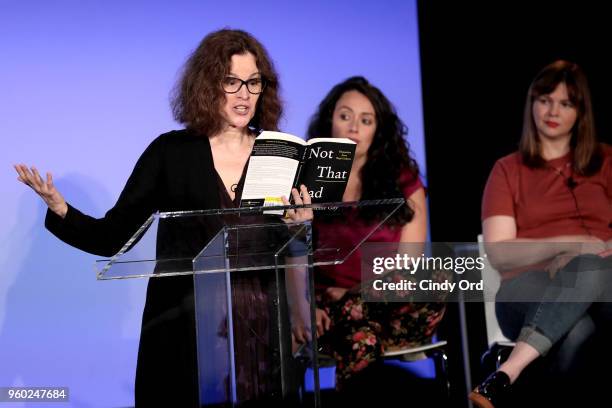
[84, 88]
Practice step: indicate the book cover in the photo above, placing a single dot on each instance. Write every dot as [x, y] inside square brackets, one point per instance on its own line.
[280, 161]
[326, 168]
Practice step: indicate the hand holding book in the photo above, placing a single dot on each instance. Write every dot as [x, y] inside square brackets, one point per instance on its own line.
[300, 214]
[280, 162]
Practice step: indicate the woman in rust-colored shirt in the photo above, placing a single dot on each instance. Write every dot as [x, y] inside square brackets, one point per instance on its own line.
[547, 225]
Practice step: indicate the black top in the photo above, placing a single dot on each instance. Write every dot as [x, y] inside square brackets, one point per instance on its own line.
[175, 173]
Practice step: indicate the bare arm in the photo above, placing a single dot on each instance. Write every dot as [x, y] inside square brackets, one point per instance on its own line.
[501, 229]
[296, 285]
[416, 229]
[299, 307]
[411, 241]
[296, 279]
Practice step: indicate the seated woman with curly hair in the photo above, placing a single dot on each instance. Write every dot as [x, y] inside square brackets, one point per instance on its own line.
[359, 332]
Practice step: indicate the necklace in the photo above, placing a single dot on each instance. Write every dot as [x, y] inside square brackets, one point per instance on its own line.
[569, 180]
[571, 185]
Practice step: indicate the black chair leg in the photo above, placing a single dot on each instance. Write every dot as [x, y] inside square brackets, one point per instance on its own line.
[441, 368]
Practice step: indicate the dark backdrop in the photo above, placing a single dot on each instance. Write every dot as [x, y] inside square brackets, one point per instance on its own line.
[477, 63]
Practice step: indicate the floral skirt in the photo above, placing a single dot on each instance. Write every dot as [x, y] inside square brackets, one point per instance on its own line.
[362, 331]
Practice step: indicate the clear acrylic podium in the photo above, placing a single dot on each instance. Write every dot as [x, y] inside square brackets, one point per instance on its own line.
[253, 279]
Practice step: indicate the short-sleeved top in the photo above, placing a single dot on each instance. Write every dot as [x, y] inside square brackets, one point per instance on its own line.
[350, 232]
[543, 202]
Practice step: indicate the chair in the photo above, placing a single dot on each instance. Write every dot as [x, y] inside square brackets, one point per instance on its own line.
[499, 345]
[416, 359]
[413, 359]
[579, 350]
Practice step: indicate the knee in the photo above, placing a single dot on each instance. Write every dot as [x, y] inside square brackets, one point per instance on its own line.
[586, 262]
[510, 317]
[588, 269]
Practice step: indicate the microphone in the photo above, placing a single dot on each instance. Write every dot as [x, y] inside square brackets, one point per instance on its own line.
[571, 183]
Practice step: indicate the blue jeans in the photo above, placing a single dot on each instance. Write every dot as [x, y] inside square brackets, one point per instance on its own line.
[540, 311]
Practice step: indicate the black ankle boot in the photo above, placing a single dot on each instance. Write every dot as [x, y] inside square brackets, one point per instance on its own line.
[491, 391]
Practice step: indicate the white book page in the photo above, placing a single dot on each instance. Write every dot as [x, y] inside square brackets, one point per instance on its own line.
[331, 140]
[268, 134]
[269, 176]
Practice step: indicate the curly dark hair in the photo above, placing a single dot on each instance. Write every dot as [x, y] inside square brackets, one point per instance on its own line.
[198, 96]
[588, 155]
[388, 156]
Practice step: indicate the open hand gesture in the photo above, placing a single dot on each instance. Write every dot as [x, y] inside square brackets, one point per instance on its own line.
[45, 189]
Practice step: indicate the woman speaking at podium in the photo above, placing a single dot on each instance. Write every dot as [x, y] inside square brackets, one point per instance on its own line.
[228, 91]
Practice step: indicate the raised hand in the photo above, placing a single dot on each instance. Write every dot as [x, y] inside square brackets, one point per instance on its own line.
[45, 189]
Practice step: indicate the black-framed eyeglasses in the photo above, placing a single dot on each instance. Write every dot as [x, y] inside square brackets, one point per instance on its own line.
[254, 85]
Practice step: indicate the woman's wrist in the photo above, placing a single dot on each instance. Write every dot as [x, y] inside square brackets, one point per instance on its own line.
[60, 209]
